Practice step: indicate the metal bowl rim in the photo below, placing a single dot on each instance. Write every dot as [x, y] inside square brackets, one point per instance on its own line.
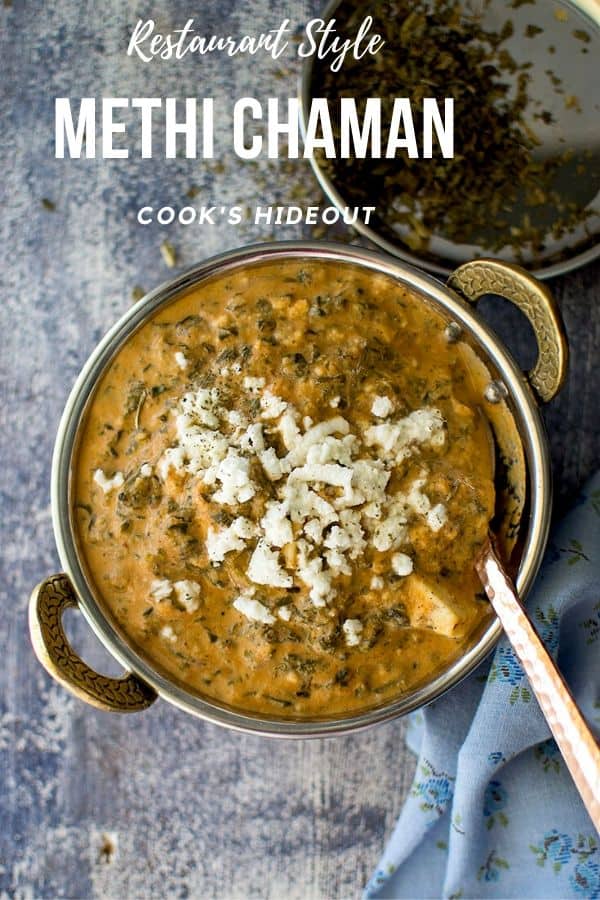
[526, 414]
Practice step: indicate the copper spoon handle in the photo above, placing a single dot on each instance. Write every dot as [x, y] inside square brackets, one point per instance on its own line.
[576, 742]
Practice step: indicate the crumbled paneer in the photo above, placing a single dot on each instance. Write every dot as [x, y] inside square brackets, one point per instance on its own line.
[276, 525]
[402, 564]
[264, 567]
[172, 458]
[310, 571]
[108, 484]
[290, 433]
[146, 470]
[253, 385]
[437, 517]
[187, 594]
[202, 407]
[376, 583]
[399, 439]
[160, 589]
[252, 440]
[181, 360]
[352, 629]
[330, 497]
[284, 613]
[236, 485]
[381, 407]
[272, 406]
[274, 467]
[253, 610]
[230, 539]
[167, 633]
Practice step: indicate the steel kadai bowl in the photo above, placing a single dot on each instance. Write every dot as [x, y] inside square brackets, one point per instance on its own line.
[523, 489]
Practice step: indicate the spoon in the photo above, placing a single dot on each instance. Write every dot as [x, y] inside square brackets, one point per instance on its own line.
[577, 744]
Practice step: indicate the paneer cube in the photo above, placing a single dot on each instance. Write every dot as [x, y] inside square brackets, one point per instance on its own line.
[430, 605]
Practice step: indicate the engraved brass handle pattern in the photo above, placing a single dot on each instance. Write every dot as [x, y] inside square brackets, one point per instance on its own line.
[46, 606]
[490, 276]
[577, 744]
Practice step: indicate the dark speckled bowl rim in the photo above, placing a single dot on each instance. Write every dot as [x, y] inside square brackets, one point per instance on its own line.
[524, 409]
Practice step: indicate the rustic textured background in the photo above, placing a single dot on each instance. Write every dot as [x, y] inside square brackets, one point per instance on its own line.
[158, 804]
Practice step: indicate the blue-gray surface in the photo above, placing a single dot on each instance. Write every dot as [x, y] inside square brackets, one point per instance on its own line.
[158, 804]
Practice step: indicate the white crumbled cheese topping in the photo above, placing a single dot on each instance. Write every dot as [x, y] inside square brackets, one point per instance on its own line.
[284, 613]
[348, 536]
[275, 468]
[376, 583]
[172, 458]
[381, 407]
[181, 360]
[369, 481]
[160, 589]
[313, 529]
[302, 503]
[330, 473]
[272, 406]
[402, 564]
[334, 402]
[276, 525]
[203, 448]
[416, 499]
[332, 449]
[253, 610]
[167, 633]
[437, 517]
[311, 572]
[352, 629]
[329, 496]
[108, 484]
[392, 529]
[337, 562]
[235, 418]
[202, 407]
[299, 450]
[187, 594]
[264, 567]
[384, 436]
[146, 470]
[234, 474]
[229, 540]
[398, 439]
[252, 440]
[253, 385]
[290, 433]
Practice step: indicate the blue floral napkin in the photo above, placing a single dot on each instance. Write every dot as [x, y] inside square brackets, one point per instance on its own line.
[492, 811]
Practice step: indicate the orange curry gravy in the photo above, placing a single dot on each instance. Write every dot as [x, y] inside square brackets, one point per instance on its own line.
[282, 483]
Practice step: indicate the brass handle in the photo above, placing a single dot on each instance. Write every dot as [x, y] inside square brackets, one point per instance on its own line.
[491, 276]
[47, 603]
[577, 744]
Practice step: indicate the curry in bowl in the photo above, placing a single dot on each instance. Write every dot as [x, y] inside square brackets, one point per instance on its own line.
[282, 481]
